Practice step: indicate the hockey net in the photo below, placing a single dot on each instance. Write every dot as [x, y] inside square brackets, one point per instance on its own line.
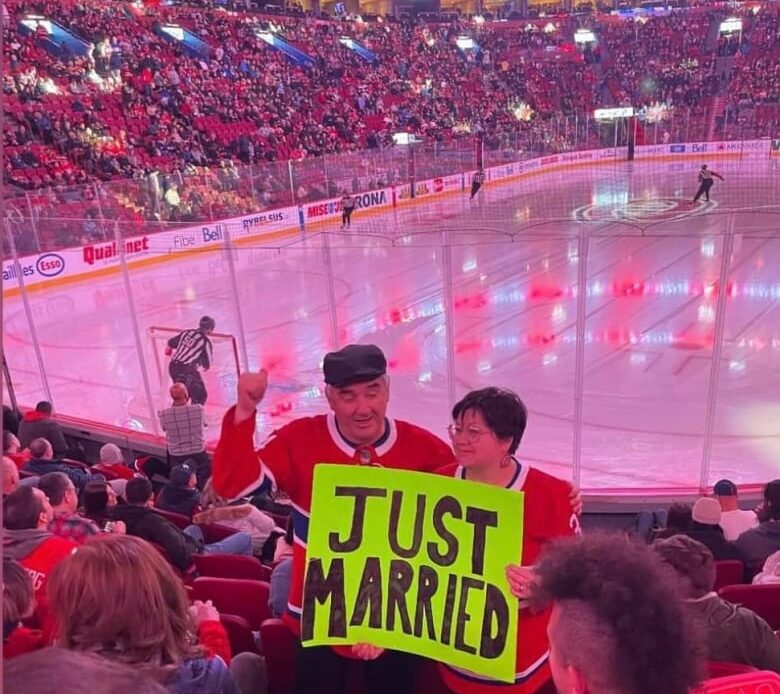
[220, 380]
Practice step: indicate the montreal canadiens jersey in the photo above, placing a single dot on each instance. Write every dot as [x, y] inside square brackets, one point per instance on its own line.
[548, 514]
[287, 461]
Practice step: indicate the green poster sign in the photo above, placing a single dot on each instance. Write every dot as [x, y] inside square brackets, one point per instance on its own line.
[413, 562]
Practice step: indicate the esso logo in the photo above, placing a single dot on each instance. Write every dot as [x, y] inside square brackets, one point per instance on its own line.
[50, 265]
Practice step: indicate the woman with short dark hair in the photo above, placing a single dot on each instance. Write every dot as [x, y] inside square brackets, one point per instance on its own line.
[486, 430]
[98, 500]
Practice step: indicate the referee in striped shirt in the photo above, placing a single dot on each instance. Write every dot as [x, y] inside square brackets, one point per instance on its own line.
[189, 350]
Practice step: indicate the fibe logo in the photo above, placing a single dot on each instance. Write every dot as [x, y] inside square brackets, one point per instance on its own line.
[184, 240]
[50, 264]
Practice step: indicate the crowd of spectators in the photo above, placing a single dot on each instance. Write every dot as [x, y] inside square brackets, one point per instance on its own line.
[166, 129]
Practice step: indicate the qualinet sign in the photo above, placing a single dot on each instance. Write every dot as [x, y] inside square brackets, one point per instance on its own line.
[108, 251]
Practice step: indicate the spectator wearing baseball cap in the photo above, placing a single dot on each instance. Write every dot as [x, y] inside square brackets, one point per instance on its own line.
[733, 520]
[706, 529]
[181, 494]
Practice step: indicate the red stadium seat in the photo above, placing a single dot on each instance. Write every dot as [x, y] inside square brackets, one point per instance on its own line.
[764, 600]
[231, 566]
[728, 572]
[716, 668]
[241, 638]
[749, 683]
[238, 596]
[213, 532]
[279, 645]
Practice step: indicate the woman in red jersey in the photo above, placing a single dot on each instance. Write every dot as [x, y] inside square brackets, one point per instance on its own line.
[487, 427]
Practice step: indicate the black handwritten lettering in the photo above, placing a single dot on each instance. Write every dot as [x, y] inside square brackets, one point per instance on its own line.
[464, 617]
[369, 596]
[481, 520]
[447, 505]
[427, 585]
[398, 586]
[419, 518]
[318, 588]
[355, 538]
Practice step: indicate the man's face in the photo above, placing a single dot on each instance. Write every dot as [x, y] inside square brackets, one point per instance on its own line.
[10, 478]
[71, 500]
[47, 513]
[13, 444]
[360, 409]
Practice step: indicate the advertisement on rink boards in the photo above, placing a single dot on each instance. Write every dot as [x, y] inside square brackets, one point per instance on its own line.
[72, 262]
[447, 183]
[759, 148]
[316, 211]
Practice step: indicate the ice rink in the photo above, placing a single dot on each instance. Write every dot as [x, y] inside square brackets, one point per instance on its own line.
[507, 264]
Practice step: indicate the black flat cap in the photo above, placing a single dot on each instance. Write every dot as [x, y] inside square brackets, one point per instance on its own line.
[353, 364]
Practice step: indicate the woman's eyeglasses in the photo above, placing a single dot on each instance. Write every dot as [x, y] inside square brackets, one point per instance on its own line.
[472, 434]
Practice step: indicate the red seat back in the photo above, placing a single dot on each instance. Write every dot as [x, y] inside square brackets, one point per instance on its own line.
[764, 600]
[728, 572]
[279, 645]
[231, 566]
[715, 668]
[238, 596]
[213, 532]
[749, 683]
[239, 634]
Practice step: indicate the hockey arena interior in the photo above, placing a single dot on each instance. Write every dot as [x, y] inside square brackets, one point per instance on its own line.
[391, 346]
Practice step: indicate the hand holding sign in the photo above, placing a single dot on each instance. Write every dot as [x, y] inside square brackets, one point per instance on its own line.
[365, 651]
[520, 580]
[251, 390]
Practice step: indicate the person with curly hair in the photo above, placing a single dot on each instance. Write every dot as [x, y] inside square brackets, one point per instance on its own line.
[618, 623]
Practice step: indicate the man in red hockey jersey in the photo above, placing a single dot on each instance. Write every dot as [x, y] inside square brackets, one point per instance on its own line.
[357, 431]
[26, 515]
